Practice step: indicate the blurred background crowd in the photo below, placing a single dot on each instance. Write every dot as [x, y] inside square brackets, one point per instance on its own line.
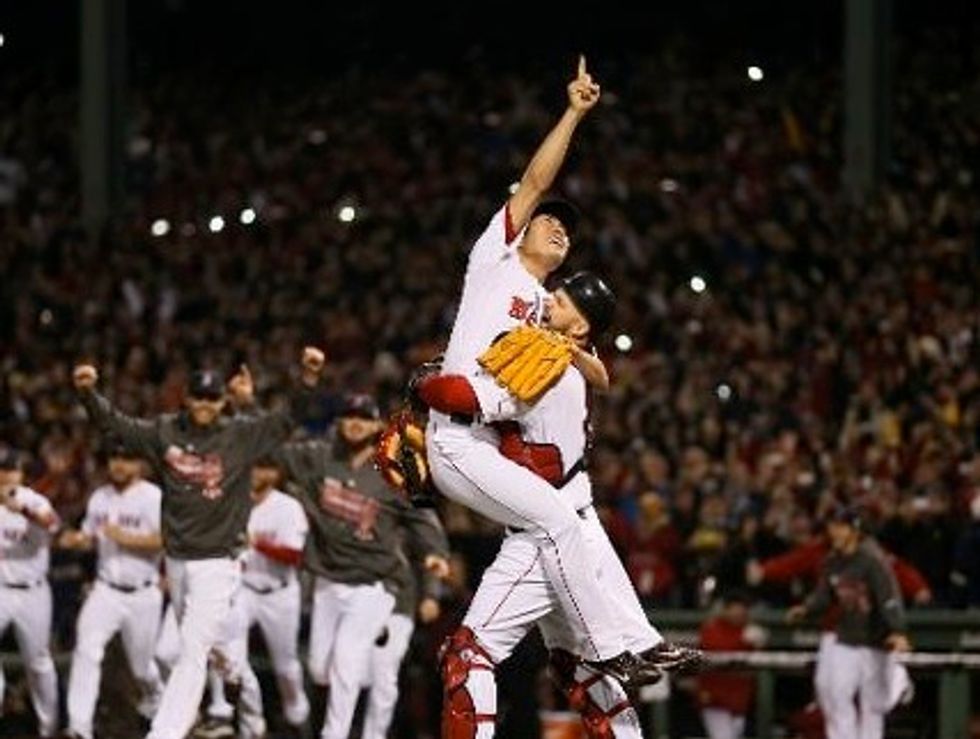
[778, 347]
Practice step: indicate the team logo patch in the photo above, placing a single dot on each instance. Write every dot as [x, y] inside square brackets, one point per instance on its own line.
[523, 310]
[206, 470]
[349, 505]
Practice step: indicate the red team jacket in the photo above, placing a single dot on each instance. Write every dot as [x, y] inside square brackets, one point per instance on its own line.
[732, 691]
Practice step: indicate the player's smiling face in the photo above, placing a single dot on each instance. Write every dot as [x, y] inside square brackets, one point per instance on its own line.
[546, 241]
[356, 431]
[562, 316]
[123, 470]
[204, 411]
[9, 479]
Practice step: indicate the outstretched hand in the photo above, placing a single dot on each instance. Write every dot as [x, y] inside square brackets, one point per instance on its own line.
[583, 93]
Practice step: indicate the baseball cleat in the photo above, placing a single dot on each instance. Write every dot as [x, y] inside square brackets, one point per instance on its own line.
[628, 670]
[674, 658]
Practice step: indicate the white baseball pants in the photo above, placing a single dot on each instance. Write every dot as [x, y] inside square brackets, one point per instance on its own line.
[28, 612]
[515, 594]
[382, 680]
[345, 622]
[277, 614]
[722, 724]
[201, 592]
[136, 617]
[468, 469]
[845, 673]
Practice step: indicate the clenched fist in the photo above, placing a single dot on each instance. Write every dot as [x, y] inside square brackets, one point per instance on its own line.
[313, 362]
[583, 93]
[85, 376]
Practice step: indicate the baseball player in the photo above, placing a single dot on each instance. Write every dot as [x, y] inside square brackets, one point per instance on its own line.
[123, 521]
[203, 461]
[525, 241]
[27, 522]
[353, 551]
[725, 697]
[870, 630]
[390, 649]
[549, 438]
[806, 562]
[270, 597]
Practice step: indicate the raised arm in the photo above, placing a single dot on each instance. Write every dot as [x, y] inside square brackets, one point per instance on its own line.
[138, 434]
[264, 432]
[583, 94]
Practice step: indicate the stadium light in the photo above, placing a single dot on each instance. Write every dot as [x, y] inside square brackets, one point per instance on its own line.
[216, 224]
[698, 284]
[755, 73]
[160, 227]
[347, 214]
[624, 343]
[1, 40]
[247, 216]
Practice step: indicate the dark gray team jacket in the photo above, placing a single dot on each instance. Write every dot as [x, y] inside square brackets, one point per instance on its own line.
[205, 473]
[864, 587]
[357, 522]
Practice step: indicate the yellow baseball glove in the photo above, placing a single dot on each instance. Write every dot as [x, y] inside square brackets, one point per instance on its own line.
[527, 361]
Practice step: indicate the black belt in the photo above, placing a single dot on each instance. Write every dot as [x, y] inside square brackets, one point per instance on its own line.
[580, 512]
[22, 585]
[462, 419]
[579, 466]
[266, 591]
[127, 588]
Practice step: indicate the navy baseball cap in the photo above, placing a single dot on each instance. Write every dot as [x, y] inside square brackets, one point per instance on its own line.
[359, 405]
[847, 514]
[114, 448]
[593, 298]
[206, 385]
[564, 210]
[10, 459]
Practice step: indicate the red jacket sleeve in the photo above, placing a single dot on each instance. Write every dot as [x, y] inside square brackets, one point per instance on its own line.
[284, 555]
[803, 561]
[449, 394]
[910, 580]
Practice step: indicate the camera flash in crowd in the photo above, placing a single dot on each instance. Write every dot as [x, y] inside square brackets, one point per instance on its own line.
[668, 184]
[624, 343]
[755, 73]
[247, 216]
[160, 227]
[216, 224]
[698, 284]
[724, 392]
[347, 214]
[514, 186]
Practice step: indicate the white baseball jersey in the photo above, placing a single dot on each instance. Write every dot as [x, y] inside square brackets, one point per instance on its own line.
[24, 551]
[279, 520]
[498, 294]
[560, 418]
[136, 510]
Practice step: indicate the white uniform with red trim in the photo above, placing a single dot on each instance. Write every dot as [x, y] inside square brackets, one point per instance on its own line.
[25, 601]
[515, 593]
[270, 598]
[499, 294]
[125, 598]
